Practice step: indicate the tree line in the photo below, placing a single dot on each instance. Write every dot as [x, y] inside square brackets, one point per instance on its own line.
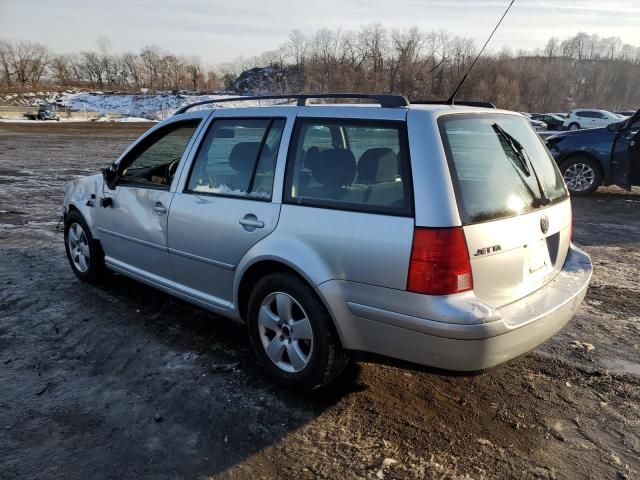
[581, 71]
[28, 63]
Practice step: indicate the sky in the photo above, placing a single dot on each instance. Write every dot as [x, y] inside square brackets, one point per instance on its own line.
[221, 31]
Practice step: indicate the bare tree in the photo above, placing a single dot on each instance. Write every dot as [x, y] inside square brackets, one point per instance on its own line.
[552, 47]
[131, 66]
[151, 58]
[27, 61]
[5, 62]
[296, 48]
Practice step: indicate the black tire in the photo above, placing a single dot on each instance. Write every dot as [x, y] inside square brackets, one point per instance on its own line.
[95, 268]
[587, 165]
[574, 126]
[326, 358]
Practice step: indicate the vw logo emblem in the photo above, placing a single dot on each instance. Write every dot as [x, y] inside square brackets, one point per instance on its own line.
[544, 223]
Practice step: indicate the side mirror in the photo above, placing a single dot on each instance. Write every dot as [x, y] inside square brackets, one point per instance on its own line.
[616, 127]
[110, 176]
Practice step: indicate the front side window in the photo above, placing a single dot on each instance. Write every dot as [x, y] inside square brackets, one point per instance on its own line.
[494, 160]
[155, 160]
[238, 158]
[350, 164]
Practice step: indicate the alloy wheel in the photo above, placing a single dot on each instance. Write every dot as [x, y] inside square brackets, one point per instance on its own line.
[79, 247]
[579, 177]
[285, 332]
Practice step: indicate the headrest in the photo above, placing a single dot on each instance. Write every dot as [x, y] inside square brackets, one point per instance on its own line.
[334, 168]
[243, 156]
[312, 155]
[377, 165]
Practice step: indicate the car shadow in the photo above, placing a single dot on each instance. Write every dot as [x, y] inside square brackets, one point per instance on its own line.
[206, 405]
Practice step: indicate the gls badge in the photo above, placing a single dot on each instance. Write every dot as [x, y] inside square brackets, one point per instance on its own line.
[485, 250]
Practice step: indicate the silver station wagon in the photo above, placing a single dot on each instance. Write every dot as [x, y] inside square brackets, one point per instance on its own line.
[435, 234]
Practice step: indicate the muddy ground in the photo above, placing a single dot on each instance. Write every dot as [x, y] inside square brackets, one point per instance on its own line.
[121, 381]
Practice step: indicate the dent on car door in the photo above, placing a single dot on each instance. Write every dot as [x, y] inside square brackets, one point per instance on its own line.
[225, 206]
[133, 221]
[625, 157]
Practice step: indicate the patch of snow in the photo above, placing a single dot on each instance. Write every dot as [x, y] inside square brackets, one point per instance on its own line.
[152, 107]
[131, 119]
[225, 190]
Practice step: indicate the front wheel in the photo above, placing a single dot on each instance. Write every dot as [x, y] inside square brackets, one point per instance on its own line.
[83, 252]
[574, 126]
[581, 174]
[292, 334]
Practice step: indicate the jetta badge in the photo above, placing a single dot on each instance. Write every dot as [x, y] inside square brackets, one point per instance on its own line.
[544, 223]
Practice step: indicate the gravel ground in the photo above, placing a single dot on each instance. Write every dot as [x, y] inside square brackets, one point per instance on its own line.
[121, 381]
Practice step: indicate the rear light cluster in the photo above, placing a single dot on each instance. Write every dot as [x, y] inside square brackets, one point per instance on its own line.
[440, 262]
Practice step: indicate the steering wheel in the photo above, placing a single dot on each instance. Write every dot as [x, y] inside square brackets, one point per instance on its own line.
[171, 169]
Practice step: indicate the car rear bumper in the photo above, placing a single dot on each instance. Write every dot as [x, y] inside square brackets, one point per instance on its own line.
[467, 335]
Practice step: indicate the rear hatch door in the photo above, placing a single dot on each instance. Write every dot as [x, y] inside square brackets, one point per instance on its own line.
[517, 236]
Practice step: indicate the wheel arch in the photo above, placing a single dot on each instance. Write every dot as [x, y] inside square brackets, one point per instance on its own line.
[73, 208]
[82, 195]
[252, 272]
[87, 214]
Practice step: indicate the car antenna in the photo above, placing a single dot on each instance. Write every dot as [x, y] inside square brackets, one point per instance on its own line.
[452, 98]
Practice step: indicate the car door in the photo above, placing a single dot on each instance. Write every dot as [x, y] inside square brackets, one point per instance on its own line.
[625, 156]
[226, 201]
[132, 220]
[589, 119]
[601, 120]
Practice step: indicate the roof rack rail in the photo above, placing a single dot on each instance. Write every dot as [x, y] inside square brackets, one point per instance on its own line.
[470, 103]
[385, 100]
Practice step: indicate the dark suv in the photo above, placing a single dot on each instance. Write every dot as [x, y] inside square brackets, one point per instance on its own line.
[599, 156]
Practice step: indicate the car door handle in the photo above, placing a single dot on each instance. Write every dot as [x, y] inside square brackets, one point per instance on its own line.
[159, 209]
[251, 221]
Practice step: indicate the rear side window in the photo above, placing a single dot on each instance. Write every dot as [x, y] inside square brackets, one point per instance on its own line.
[238, 158]
[492, 180]
[350, 165]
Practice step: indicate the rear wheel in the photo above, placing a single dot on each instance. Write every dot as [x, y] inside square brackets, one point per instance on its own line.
[581, 174]
[292, 334]
[574, 126]
[83, 252]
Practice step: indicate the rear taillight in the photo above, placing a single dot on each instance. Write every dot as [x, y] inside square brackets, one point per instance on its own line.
[439, 262]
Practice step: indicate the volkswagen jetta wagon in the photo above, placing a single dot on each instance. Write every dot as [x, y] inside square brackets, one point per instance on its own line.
[435, 234]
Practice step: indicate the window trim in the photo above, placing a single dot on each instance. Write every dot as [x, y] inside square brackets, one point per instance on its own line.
[145, 143]
[270, 122]
[407, 210]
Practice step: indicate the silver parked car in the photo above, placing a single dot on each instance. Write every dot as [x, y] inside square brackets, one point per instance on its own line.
[435, 234]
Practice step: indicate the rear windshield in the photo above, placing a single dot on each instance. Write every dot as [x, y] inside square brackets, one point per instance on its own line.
[491, 180]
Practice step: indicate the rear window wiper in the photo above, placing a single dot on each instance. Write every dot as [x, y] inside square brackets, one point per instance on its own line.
[524, 163]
